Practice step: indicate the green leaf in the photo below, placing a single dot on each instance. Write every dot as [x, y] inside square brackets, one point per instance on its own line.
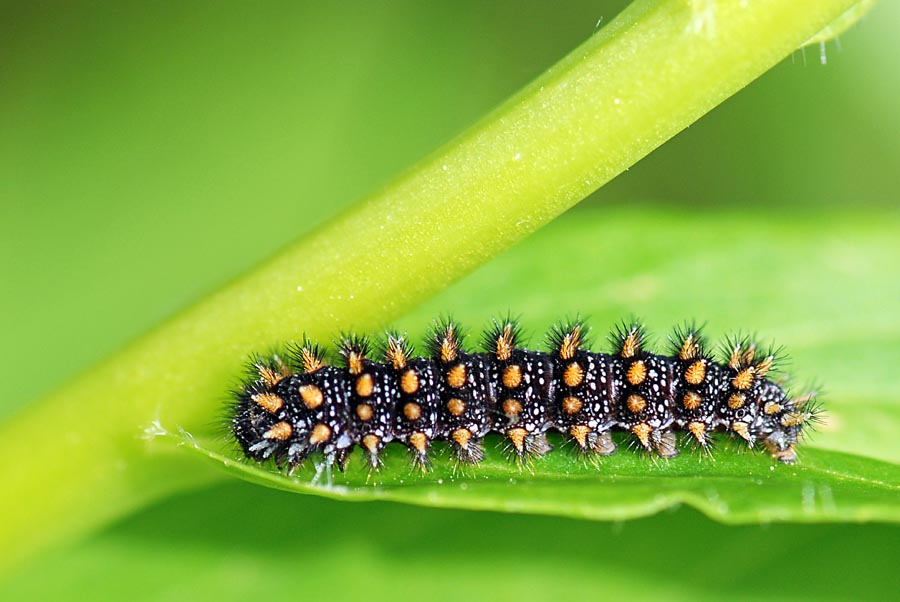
[794, 269]
[629, 88]
[733, 487]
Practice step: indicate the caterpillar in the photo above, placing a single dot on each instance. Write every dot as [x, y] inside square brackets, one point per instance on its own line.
[294, 404]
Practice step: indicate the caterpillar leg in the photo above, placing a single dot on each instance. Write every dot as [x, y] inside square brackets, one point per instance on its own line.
[296, 454]
[590, 441]
[603, 444]
[341, 456]
[527, 446]
[787, 455]
[537, 445]
[665, 443]
[781, 449]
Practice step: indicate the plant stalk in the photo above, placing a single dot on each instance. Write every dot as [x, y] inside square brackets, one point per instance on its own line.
[86, 454]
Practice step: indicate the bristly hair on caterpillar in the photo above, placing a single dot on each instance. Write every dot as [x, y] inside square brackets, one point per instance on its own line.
[353, 349]
[295, 404]
[396, 349]
[306, 356]
[444, 339]
[628, 338]
[504, 335]
[567, 337]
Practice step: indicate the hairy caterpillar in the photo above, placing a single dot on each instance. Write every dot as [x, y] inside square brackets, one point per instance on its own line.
[295, 404]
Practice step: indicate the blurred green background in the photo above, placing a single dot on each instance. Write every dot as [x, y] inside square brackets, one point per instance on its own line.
[151, 152]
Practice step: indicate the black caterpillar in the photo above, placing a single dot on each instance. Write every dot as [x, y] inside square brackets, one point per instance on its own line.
[294, 404]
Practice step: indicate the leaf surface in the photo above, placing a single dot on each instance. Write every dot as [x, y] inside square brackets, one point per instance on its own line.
[792, 280]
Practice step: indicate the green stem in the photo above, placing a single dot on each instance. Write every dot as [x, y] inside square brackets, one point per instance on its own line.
[80, 457]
